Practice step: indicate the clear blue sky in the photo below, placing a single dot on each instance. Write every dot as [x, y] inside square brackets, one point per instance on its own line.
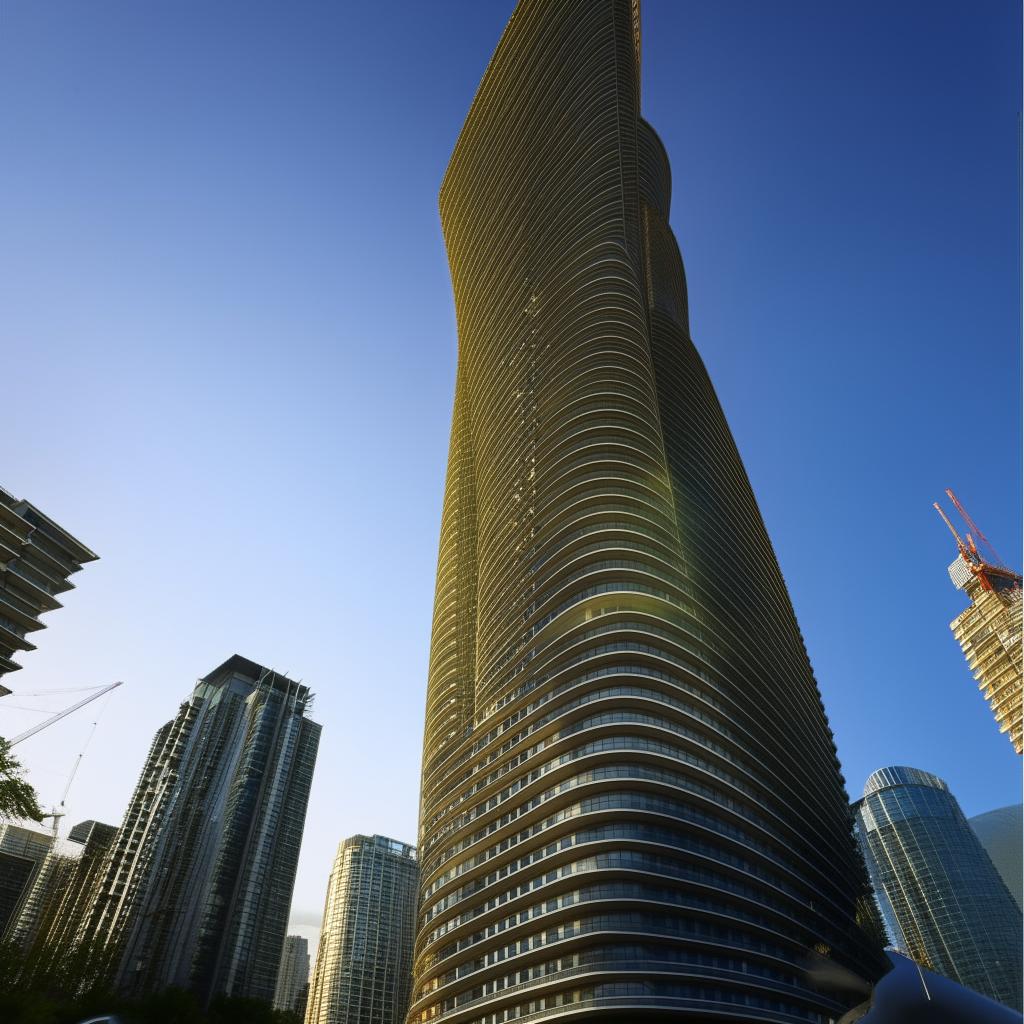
[228, 350]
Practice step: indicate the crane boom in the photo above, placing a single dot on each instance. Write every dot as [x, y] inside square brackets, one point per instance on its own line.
[952, 529]
[975, 528]
[63, 714]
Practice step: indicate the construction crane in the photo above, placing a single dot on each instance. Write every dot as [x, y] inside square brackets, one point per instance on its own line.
[976, 530]
[964, 550]
[63, 714]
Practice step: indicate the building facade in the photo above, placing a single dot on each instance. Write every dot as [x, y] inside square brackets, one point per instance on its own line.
[198, 887]
[941, 896]
[1002, 834]
[293, 976]
[364, 961]
[24, 849]
[989, 634]
[36, 558]
[631, 803]
[54, 910]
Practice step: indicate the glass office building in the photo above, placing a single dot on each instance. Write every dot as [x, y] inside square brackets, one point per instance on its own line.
[198, 887]
[364, 961]
[939, 892]
[631, 803]
[1002, 834]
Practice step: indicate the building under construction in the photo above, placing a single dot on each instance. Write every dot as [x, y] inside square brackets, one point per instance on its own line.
[989, 631]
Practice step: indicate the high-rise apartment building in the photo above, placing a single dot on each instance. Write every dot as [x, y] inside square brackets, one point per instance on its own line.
[293, 976]
[24, 849]
[1002, 834]
[36, 558]
[989, 633]
[55, 907]
[198, 887]
[364, 961]
[941, 896]
[631, 802]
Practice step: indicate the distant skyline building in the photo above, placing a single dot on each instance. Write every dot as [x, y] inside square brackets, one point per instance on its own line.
[293, 976]
[989, 631]
[1002, 834]
[198, 887]
[55, 907]
[939, 892]
[364, 960]
[36, 558]
[631, 802]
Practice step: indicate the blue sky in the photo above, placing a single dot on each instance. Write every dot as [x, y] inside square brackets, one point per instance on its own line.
[228, 345]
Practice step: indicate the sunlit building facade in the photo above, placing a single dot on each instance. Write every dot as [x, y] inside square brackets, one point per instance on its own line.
[989, 634]
[55, 907]
[364, 961]
[197, 890]
[24, 849]
[939, 892]
[631, 803]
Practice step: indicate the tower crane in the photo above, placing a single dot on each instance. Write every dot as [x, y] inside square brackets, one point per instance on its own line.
[63, 714]
[975, 529]
[952, 529]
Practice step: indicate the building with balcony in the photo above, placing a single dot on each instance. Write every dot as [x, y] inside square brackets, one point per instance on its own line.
[37, 557]
[631, 804]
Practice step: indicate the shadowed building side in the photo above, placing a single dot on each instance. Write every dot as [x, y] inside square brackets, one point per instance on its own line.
[293, 976]
[631, 802]
[1002, 834]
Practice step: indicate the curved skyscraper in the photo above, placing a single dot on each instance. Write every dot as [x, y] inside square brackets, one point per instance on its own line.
[631, 802]
[939, 891]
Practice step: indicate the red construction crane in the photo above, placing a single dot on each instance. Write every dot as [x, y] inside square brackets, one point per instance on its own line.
[997, 561]
[952, 529]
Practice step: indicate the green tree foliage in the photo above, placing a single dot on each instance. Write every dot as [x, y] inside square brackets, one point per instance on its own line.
[64, 985]
[17, 797]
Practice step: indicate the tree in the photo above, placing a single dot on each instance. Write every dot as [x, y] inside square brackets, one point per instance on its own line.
[17, 797]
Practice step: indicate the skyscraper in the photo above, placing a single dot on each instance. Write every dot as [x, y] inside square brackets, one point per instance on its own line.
[363, 964]
[938, 890]
[989, 634]
[630, 796]
[293, 976]
[36, 558]
[1002, 834]
[199, 884]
